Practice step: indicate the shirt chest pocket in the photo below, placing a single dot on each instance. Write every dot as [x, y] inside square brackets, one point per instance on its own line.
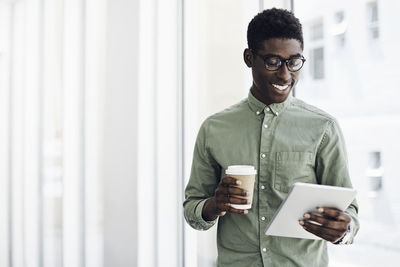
[292, 167]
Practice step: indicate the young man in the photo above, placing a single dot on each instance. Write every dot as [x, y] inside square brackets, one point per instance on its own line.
[287, 140]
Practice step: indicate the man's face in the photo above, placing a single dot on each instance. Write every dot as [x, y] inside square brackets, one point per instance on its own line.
[273, 86]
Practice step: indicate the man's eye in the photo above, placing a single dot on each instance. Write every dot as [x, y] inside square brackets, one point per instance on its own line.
[273, 61]
[294, 62]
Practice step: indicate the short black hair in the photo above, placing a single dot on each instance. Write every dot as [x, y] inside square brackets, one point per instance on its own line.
[273, 23]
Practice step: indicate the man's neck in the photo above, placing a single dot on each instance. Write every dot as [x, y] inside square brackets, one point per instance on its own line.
[260, 97]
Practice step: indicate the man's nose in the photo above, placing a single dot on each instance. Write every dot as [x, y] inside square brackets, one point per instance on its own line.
[283, 73]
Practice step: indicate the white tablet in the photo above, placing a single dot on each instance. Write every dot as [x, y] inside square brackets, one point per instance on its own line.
[302, 198]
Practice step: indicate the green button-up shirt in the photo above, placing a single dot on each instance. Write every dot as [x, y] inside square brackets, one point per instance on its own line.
[287, 142]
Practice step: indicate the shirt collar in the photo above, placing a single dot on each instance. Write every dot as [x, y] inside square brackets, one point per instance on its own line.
[259, 107]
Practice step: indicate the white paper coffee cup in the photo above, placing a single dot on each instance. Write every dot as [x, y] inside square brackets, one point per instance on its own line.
[247, 175]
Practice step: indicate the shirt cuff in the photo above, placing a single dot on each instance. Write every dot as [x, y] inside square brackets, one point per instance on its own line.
[348, 236]
[200, 223]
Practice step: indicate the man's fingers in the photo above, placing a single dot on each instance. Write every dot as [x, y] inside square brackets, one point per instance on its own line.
[323, 232]
[323, 235]
[226, 199]
[222, 206]
[226, 207]
[227, 181]
[334, 213]
[237, 191]
[237, 211]
[222, 213]
[228, 193]
[326, 222]
[235, 200]
[327, 228]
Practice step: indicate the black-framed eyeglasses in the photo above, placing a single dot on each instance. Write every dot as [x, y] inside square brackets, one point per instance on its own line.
[273, 63]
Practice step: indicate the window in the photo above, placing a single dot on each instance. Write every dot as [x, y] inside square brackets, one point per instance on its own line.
[339, 28]
[317, 63]
[317, 31]
[369, 118]
[374, 173]
[316, 41]
[46, 216]
[372, 20]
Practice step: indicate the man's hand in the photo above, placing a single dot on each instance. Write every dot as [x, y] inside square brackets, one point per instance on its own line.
[226, 194]
[331, 223]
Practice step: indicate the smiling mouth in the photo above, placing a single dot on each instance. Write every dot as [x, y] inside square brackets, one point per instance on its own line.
[281, 87]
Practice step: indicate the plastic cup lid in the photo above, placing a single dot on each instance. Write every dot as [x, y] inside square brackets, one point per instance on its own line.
[241, 170]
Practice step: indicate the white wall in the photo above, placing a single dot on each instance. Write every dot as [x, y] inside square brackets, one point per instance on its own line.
[120, 134]
[142, 144]
[160, 134]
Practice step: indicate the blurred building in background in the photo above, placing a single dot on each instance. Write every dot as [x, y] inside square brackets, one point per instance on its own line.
[351, 67]
[100, 106]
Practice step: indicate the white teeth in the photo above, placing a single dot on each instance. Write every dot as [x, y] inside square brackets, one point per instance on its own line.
[280, 87]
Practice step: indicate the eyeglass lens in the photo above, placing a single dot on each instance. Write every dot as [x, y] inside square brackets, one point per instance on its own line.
[274, 63]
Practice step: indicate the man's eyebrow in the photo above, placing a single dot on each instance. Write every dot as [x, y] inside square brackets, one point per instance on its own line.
[274, 55]
[296, 55]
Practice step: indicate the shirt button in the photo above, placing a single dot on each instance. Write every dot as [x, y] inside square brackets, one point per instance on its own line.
[277, 114]
[264, 249]
[263, 155]
[262, 187]
[265, 126]
[258, 112]
[267, 109]
[263, 218]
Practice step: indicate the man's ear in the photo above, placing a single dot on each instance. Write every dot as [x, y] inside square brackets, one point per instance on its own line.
[248, 57]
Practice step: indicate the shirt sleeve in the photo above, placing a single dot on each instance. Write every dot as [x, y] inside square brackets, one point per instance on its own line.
[332, 169]
[204, 178]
